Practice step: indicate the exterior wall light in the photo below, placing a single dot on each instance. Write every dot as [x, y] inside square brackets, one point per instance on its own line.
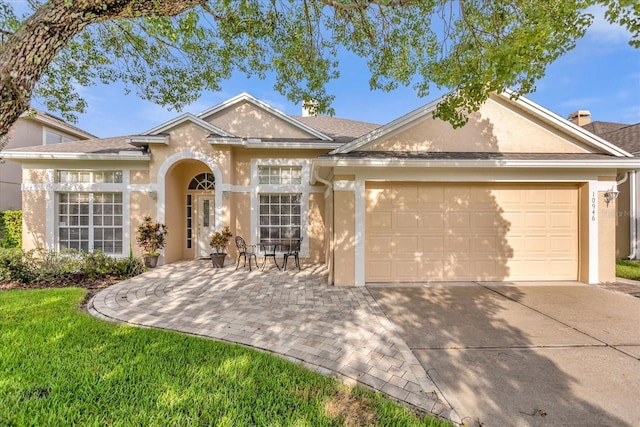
[610, 196]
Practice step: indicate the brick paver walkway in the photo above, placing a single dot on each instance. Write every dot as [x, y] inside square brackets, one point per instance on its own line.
[334, 330]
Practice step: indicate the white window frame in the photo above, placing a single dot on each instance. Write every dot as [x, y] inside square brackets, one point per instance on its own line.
[63, 137]
[303, 189]
[90, 226]
[54, 188]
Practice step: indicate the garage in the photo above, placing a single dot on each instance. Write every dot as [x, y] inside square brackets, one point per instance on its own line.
[416, 232]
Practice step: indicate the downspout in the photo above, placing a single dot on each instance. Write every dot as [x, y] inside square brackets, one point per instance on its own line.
[632, 212]
[322, 181]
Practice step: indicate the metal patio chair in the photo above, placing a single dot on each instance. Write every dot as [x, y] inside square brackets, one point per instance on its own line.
[245, 251]
[294, 251]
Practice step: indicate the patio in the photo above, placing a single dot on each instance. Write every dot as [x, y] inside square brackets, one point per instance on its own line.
[341, 332]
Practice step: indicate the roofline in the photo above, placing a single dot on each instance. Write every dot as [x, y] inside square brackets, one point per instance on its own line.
[244, 96]
[546, 115]
[184, 118]
[388, 128]
[583, 134]
[43, 117]
[259, 143]
[121, 156]
[480, 163]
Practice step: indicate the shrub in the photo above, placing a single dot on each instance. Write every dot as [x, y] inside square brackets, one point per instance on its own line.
[11, 226]
[43, 266]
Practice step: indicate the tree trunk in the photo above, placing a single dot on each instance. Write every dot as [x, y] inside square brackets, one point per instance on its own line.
[26, 54]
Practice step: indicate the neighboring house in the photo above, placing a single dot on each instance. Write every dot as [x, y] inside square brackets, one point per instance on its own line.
[627, 137]
[32, 129]
[516, 194]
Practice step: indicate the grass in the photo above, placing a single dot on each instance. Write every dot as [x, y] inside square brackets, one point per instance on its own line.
[60, 366]
[628, 269]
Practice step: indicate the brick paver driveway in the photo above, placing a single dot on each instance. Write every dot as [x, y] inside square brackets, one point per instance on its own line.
[336, 331]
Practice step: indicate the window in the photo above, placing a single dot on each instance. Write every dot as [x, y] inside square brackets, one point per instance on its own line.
[189, 221]
[204, 181]
[90, 221]
[51, 137]
[280, 175]
[96, 177]
[280, 216]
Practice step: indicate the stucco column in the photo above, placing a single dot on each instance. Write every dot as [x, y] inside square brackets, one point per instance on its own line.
[344, 233]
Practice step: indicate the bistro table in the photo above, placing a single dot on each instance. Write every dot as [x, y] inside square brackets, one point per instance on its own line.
[270, 247]
[269, 250]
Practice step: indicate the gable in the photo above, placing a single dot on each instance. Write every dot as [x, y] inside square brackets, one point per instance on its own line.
[247, 117]
[499, 126]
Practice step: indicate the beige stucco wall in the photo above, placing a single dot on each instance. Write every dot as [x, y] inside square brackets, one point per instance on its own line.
[584, 217]
[34, 219]
[344, 238]
[141, 205]
[496, 127]
[246, 120]
[606, 240]
[34, 209]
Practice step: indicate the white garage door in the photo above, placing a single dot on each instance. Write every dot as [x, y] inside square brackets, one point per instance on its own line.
[424, 232]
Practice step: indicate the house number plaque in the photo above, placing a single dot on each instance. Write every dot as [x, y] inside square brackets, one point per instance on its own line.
[593, 206]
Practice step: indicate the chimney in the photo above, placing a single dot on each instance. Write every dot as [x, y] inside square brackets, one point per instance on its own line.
[309, 108]
[580, 117]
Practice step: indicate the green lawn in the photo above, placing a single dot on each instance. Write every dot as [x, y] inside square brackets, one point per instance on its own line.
[628, 269]
[60, 366]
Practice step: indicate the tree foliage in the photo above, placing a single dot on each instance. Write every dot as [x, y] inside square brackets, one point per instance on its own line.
[169, 51]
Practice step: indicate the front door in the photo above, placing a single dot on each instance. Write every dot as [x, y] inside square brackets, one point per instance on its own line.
[205, 215]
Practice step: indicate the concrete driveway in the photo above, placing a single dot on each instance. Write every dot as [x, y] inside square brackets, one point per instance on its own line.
[553, 354]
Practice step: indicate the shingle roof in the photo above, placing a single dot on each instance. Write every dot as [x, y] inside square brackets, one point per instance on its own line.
[600, 128]
[341, 130]
[88, 146]
[626, 137]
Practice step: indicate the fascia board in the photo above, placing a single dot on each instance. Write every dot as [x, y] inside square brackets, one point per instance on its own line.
[73, 156]
[565, 125]
[260, 104]
[376, 134]
[187, 117]
[57, 124]
[421, 163]
[139, 140]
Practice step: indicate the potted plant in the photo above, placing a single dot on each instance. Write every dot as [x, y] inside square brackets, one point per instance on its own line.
[151, 237]
[219, 241]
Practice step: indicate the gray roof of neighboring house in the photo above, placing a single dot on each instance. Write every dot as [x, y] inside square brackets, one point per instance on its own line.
[341, 130]
[57, 122]
[87, 146]
[625, 136]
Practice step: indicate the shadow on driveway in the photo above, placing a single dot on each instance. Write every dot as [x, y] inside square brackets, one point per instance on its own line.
[524, 354]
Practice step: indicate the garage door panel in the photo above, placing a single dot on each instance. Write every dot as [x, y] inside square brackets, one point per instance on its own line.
[405, 245]
[379, 220]
[433, 244]
[471, 232]
[457, 219]
[431, 219]
[405, 220]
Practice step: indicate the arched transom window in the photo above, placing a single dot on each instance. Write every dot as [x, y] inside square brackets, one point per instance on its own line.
[204, 181]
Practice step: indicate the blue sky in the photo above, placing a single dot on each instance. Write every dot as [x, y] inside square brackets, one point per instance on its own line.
[602, 75]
